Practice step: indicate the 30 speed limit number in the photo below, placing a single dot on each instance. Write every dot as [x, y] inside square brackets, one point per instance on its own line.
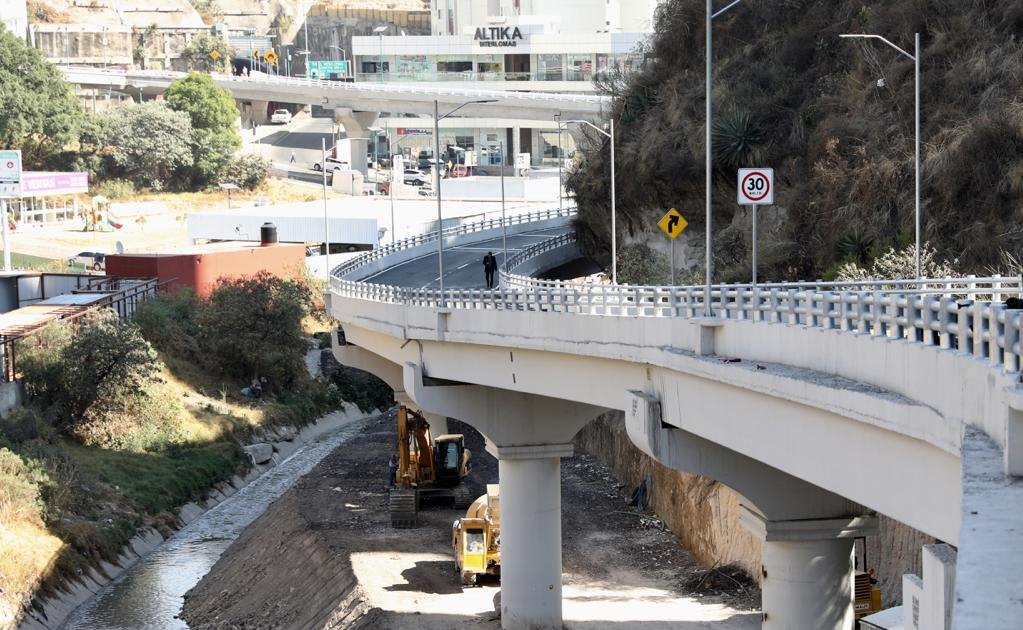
[756, 186]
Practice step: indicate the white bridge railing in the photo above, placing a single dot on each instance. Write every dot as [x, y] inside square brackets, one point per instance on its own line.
[964, 314]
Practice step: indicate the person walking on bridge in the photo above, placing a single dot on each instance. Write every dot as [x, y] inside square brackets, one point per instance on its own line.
[489, 267]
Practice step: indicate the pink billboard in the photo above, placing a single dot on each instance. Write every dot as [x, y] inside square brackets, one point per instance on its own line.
[43, 184]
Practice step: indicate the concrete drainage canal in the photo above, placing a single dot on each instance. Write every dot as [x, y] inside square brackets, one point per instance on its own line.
[150, 594]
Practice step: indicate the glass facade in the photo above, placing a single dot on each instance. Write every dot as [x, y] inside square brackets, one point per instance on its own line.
[580, 67]
[550, 68]
[490, 66]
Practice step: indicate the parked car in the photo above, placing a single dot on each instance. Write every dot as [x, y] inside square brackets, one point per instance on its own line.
[90, 260]
[280, 117]
[415, 178]
[333, 164]
[459, 170]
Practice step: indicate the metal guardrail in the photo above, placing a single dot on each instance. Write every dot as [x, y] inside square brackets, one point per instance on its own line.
[459, 230]
[964, 314]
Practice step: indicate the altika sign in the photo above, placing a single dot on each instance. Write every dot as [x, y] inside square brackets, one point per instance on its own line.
[494, 36]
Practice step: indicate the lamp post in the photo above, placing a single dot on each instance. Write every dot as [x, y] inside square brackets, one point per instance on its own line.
[326, 224]
[614, 217]
[228, 186]
[709, 212]
[380, 57]
[916, 76]
[504, 219]
[436, 169]
[557, 119]
[344, 57]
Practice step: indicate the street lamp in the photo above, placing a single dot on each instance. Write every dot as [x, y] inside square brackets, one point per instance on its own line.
[557, 119]
[709, 213]
[436, 169]
[380, 57]
[916, 76]
[614, 235]
[344, 57]
[228, 186]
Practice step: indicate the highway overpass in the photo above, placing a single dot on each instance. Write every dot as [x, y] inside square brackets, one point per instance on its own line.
[820, 404]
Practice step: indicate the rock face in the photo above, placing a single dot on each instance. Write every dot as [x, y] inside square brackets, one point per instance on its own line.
[260, 453]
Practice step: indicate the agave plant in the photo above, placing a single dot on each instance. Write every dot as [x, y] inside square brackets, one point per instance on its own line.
[737, 140]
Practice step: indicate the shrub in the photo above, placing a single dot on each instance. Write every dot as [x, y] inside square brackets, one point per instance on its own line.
[168, 322]
[146, 422]
[248, 171]
[39, 360]
[115, 188]
[252, 327]
[102, 369]
[19, 490]
[24, 425]
[895, 264]
[363, 389]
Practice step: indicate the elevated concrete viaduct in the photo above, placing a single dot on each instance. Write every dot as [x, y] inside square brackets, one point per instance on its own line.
[357, 104]
[819, 406]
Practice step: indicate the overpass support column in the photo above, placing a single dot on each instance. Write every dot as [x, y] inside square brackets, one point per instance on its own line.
[531, 536]
[357, 126]
[807, 570]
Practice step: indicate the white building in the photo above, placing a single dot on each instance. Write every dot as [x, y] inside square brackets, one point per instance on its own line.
[452, 17]
[522, 45]
[15, 16]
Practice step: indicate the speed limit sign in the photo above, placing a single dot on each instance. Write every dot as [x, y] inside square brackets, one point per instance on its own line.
[756, 186]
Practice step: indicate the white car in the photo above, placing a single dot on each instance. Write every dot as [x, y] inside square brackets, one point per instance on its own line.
[96, 261]
[280, 117]
[333, 164]
[413, 177]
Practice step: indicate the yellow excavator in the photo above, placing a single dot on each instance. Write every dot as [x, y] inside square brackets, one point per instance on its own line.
[476, 538]
[426, 466]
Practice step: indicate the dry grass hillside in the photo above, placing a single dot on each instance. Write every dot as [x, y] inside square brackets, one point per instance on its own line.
[834, 117]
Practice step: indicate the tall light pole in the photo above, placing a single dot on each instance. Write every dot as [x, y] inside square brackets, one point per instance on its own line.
[916, 75]
[326, 224]
[380, 57]
[436, 169]
[709, 212]
[557, 119]
[614, 215]
[504, 219]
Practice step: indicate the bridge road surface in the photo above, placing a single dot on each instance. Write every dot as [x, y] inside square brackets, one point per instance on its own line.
[463, 264]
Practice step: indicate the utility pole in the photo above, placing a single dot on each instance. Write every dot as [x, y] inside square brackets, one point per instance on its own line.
[326, 221]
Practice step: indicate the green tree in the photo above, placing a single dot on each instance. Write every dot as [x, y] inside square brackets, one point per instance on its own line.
[213, 114]
[38, 112]
[39, 360]
[199, 53]
[149, 143]
[103, 368]
[252, 327]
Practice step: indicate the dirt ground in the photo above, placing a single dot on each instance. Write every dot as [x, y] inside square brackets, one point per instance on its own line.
[325, 556]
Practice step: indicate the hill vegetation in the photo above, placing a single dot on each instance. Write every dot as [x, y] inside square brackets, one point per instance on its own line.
[834, 117]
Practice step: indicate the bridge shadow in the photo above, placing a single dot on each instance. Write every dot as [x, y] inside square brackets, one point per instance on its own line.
[296, 140]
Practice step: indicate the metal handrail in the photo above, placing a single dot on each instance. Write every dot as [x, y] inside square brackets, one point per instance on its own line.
[495, 223]
[963, 314]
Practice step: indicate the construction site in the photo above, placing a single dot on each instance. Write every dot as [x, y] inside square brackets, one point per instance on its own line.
[325, 555]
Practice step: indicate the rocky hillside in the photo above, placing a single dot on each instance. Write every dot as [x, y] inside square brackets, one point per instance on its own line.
[834, 117]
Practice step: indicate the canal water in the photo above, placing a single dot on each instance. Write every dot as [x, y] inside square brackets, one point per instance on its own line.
[150, 594]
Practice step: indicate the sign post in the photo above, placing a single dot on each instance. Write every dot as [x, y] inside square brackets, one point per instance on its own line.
[756, 188]
[673, 224]
[10, 188]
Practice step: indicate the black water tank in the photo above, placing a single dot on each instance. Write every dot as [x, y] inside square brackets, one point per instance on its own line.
[267, 234]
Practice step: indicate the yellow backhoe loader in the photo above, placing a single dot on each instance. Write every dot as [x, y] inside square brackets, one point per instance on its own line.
[477, 538]
[426, 466]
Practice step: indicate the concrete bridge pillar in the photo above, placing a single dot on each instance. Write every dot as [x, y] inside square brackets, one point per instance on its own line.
[807, 579]
[531, 536]
[357, 126]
